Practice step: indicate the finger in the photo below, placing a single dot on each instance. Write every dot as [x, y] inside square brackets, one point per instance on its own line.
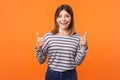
[85, 34]
[41, 38]
[83, 39]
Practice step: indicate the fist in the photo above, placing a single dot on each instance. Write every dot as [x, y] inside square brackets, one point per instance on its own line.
[40, 40]
[83, 41]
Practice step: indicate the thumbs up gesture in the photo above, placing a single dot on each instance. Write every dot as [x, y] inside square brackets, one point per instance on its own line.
[40, 40]
[83, 41]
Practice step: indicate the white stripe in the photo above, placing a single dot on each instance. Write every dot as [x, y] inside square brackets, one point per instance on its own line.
[61, 51]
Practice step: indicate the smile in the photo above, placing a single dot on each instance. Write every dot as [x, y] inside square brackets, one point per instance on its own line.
[63, 23]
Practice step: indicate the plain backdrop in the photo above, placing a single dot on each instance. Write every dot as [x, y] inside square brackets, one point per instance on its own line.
[21, 19]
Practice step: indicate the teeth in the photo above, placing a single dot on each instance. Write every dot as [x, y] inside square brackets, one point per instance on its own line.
[63, 23]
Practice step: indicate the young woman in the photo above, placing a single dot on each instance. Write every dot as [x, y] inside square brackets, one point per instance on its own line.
[64, 47]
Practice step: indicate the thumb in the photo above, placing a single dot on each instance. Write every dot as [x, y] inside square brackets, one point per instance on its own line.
[37, 34]
[85, 34]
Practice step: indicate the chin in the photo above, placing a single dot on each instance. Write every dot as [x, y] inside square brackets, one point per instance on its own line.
[64, 27]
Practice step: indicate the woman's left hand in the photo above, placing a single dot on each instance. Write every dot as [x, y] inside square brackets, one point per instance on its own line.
[83, 41]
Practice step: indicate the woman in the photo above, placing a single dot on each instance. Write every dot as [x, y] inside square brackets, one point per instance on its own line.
[63, 46]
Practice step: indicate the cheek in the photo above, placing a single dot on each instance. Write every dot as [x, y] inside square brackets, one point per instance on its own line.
[69, 19]
[57, 20]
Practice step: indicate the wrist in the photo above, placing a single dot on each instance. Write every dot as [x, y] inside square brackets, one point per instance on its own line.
[84, 47]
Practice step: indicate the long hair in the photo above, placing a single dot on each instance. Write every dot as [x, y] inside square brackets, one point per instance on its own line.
[67, 8]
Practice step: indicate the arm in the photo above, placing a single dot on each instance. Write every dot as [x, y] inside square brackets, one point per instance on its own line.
[80, 54]
[41, 51]
[41, 56]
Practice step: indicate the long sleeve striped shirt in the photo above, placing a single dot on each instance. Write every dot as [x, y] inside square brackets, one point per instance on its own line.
[64, 52]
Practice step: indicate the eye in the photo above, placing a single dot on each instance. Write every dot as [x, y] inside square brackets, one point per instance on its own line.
[67, 16]
[59, 16]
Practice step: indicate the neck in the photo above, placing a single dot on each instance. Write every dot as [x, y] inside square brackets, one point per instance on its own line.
[63, 32]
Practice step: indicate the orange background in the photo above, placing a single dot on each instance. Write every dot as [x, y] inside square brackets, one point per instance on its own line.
[20, 19]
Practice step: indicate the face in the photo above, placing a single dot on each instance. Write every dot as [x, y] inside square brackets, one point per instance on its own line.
[64, 19]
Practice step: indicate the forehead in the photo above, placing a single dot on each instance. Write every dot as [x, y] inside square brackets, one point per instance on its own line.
[63, 12]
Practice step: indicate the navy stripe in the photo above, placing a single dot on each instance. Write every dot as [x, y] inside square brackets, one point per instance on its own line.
[63, 52]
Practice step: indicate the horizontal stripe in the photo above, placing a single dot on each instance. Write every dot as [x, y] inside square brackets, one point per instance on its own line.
[63, 52]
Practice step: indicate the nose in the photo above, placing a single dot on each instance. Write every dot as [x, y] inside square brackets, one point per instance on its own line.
[63, 19]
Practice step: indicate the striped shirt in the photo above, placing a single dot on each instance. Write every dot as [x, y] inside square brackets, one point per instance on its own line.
[64, 52]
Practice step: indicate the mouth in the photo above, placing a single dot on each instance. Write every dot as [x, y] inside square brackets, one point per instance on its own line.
[64, 23]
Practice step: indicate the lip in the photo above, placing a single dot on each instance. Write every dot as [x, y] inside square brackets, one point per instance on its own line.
[64, 23]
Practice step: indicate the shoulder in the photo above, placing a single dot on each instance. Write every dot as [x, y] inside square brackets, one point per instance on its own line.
[47, 35]
[76, 35]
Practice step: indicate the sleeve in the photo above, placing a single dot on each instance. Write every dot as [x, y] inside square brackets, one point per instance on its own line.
[80, 54]
[41, 52]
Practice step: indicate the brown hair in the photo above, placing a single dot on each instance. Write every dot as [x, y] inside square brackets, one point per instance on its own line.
[67, 8]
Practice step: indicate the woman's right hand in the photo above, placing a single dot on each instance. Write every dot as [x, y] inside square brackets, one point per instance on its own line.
[40, 41]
